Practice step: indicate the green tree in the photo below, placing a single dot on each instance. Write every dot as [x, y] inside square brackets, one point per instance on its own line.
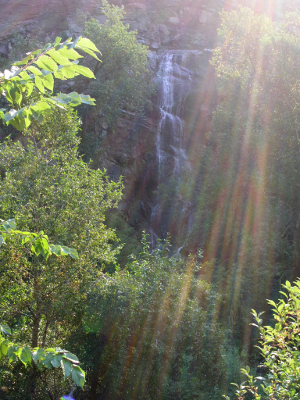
[34, 245]
[50, 189]
[123, 79]
[151, 334]
[46, 187]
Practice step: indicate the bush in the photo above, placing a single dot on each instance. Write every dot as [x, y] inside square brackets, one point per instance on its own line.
[151, 334]
[279, 347]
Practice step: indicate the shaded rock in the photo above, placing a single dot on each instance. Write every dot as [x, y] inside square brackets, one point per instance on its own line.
[164, 33]
[101, 19]
[140, 6]
[152, 59]
[204, 16]
[174, 20]
[154, 45]
[133, 25]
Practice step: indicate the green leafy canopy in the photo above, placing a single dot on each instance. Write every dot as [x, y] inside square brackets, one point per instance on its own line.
[38, 241]
[42, 358]
[37, 71]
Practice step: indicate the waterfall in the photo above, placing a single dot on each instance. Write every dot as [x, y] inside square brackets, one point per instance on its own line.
[175, 85]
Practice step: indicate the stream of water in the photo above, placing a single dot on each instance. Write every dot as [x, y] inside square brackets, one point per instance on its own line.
[175, 84]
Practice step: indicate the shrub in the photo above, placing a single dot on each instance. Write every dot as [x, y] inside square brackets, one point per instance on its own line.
[279, 347]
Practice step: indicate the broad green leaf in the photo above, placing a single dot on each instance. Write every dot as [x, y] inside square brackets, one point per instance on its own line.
[47, 63]
[71, 54]
[44, 244]
[39, 355]
[47, 361]
[42, 106]
[78, 376]
[85, 42]
[68, 71]
[29, 87]
[56, 360]
[84, 71]
[4, 348]
[9, 224]
[71, 357]
[57, 41]
[11, 353]
[62, 45]
[66, 366]
[73, 44]
[74, 99]
[73, 253]
[40, 109]
[24, 75]
[26, 356]
[63, 98]
[10, 115]
[58, 57]
[59, 75]
[1, 240]
[19, 123]
[86, 99]
[39, 84]
[38, 116]
[68, 251]
[36, 249]
[41, 246]
[5, 329]
[35, 70]
[57, 250]
[15, 94]
[91, 53]
[26, 239]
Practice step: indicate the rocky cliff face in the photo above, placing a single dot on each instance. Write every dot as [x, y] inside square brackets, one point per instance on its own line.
[154, 152]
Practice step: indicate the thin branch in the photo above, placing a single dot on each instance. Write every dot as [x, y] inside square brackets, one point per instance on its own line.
[31, 312]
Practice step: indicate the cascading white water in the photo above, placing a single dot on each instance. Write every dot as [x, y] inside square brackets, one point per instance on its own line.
[175, 84]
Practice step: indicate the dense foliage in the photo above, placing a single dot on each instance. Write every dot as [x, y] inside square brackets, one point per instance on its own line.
[245, 185]
[45, 186]
[123, 82]
[153, 334]
[33, 246]
[279, 346]
[257, 124]
[37, 71]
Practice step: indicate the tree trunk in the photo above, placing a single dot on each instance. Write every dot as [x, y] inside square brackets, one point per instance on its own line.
[38, 314]
[297, 249]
